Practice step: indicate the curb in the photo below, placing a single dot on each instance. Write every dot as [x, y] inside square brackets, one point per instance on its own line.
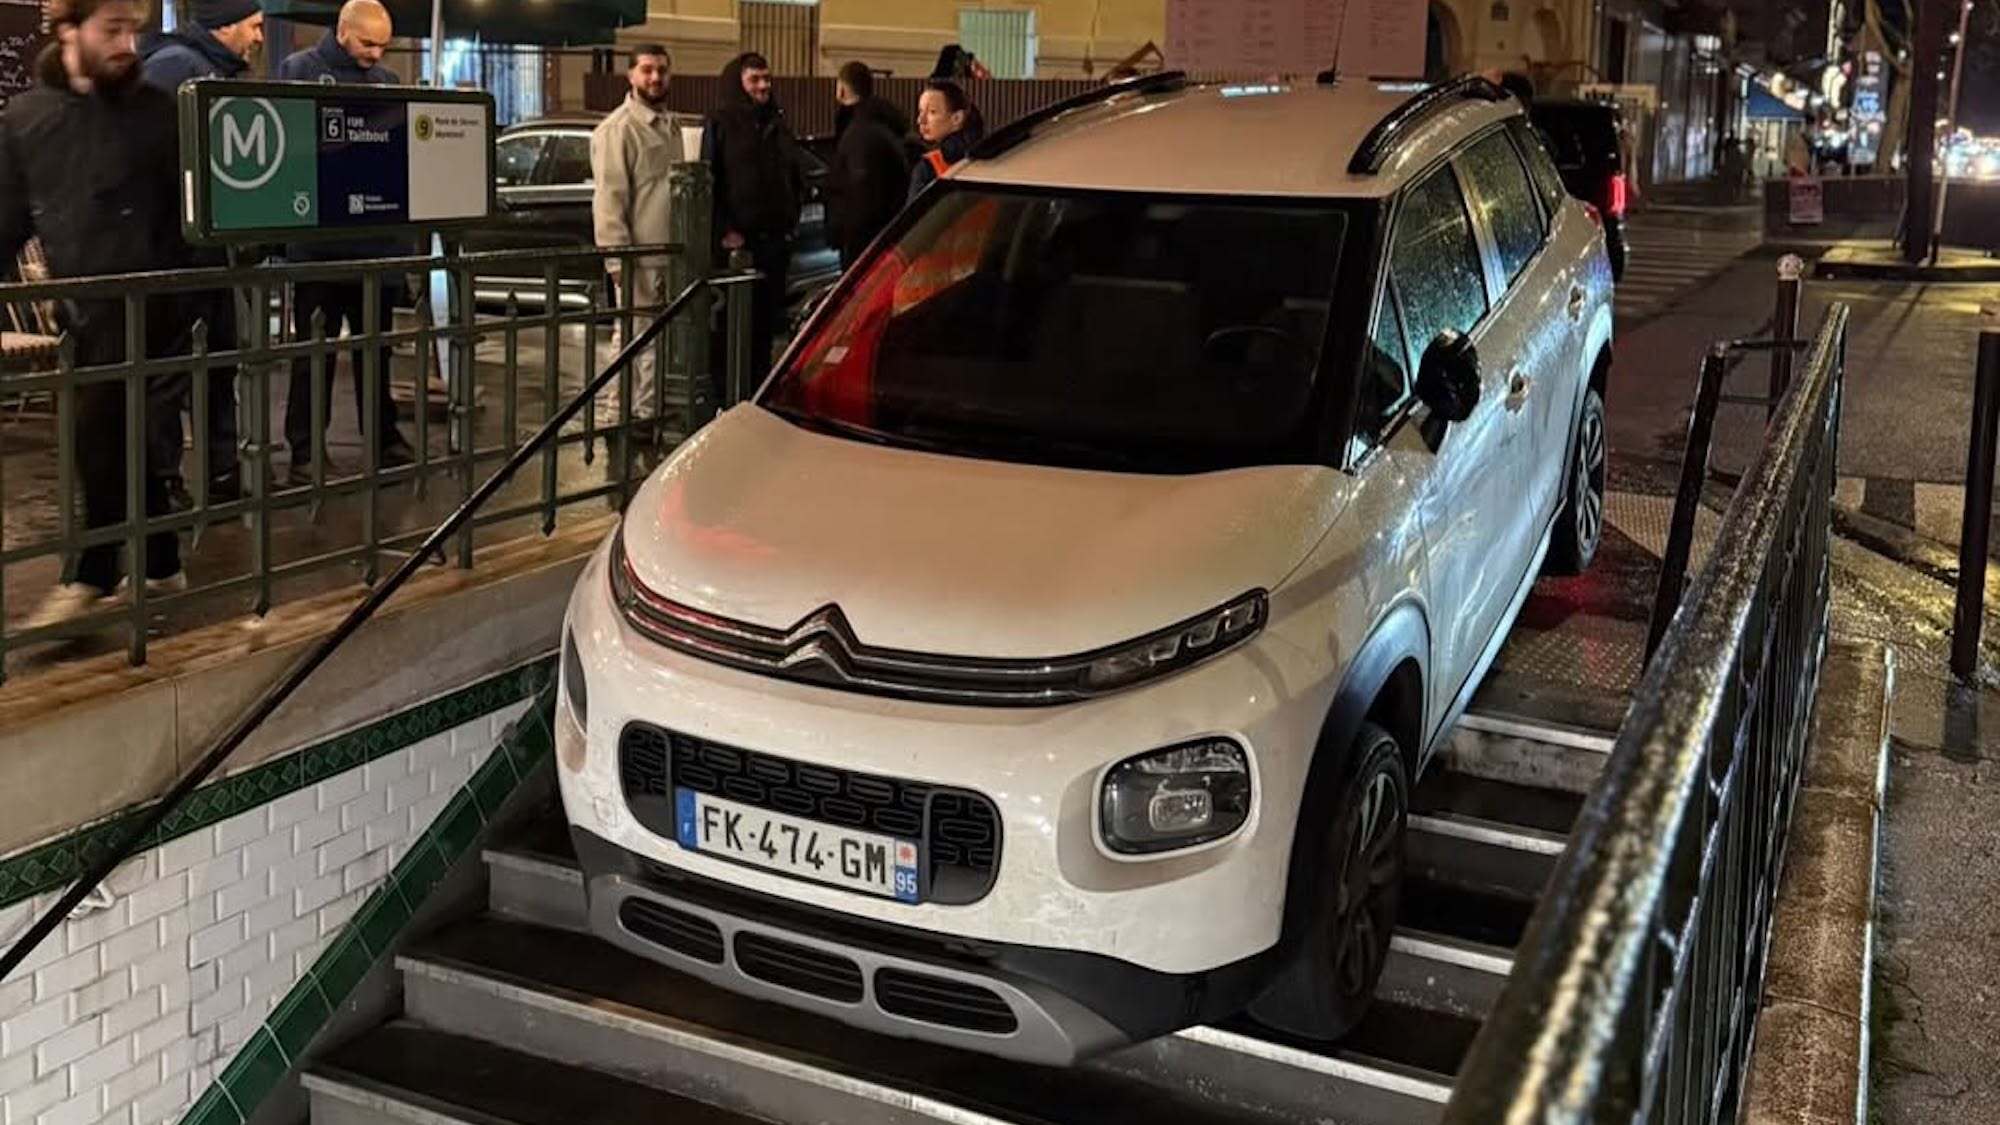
[1809, 1061]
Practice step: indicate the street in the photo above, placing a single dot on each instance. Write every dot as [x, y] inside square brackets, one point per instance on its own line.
[1902, 460]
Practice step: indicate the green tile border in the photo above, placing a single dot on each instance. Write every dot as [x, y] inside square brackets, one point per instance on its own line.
[278, 1047]
[56, 864]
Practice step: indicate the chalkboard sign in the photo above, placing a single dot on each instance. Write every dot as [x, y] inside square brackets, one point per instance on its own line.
[296, 161]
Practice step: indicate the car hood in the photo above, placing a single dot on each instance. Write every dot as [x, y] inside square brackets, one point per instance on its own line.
[763, 522]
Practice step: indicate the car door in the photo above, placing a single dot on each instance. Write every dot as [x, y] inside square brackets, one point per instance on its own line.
[1437, 282]
[1530, 336]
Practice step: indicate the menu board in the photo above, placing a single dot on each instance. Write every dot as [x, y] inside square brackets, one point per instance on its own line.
[1263, 38]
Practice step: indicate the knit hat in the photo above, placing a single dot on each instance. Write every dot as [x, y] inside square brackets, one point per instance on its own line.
[213, 14]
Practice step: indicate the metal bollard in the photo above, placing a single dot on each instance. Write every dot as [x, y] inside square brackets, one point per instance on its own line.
[1784, 328]
[1970, 613]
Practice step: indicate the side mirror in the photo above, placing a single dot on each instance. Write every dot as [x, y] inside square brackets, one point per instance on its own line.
[1448, 377]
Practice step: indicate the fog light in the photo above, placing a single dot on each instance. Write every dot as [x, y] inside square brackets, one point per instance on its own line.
[575, 691]
[1176, 798]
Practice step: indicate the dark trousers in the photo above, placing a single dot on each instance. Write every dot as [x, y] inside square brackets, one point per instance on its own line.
[771, 255]
[172, 397]
[340, 302]
[99, 433]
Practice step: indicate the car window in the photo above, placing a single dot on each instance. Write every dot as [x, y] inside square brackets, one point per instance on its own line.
[514, 158]
[567, 162]
[1500, 189]
[1541, 168]
[1434, 264]
[1109, 330]
[1385, 384]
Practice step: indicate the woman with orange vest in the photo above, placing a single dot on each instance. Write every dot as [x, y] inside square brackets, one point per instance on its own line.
[950, 126]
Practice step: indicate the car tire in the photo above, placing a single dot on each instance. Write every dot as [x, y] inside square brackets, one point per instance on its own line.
[1580, 525]
[1354, 868]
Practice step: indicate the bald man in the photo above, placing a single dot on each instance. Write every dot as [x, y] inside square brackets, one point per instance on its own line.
[350, 56]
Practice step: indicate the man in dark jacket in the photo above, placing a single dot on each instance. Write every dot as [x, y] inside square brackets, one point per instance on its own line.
[870, 177]
[759, 188]
[350, 56]
[88, 159]
[218, 43]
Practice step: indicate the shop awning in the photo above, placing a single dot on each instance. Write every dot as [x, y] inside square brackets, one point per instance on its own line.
[569, 23]
[1763, 105]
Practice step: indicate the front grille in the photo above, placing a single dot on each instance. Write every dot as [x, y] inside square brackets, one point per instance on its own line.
[677, 930]
[959, 830]
[798, 967]
[941, 1000]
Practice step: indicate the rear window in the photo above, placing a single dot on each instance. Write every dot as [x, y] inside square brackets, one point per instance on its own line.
[1579, 137]
[1088, 329]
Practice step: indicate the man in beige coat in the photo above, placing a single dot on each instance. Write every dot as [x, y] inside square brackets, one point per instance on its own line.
[632, 153]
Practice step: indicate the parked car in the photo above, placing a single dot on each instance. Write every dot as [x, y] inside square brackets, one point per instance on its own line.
[1583, 138]
[544, 173]
[1043, 659]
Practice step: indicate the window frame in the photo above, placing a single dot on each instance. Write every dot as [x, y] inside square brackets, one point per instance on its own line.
[1528, 139]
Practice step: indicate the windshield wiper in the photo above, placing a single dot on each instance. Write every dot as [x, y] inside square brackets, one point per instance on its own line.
[835, 427]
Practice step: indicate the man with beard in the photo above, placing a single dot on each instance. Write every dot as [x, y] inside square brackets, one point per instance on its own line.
[218, 43]
[87, 164]
[632, 152]
[759, 188]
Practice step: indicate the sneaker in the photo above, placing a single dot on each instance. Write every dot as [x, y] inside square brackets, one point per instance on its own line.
[175, 583]
[225, 488]
[66, 602]
[300, 475]
[397, 454]
[178, 497]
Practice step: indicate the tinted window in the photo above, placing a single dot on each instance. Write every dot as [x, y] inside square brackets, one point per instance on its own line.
[1434, 262]
[514, 158]
[1384, 379]
[567, 162]
[1540, 168]
[1500, 190]
[1106, 330]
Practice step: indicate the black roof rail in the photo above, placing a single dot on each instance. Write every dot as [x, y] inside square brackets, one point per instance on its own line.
[1014, 132]
[1374, 149]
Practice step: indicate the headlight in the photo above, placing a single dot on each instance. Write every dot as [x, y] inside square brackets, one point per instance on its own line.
[1176, 798]
[575, 691]
[1173, 649]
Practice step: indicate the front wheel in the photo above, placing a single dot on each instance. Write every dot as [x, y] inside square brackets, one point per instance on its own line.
[1580, 525]
[1355, 867]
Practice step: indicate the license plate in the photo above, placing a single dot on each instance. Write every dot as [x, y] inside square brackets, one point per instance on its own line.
[804, 849]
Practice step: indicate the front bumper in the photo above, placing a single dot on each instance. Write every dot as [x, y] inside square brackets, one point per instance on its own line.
[1056, 886]
[1046, 1006]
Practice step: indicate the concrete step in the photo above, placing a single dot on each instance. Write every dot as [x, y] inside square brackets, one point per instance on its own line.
[1528, 751]
[1488, 836]
[405, 1074]
[578, 1002]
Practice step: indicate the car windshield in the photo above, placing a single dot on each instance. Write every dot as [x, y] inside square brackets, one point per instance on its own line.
[1093, 330]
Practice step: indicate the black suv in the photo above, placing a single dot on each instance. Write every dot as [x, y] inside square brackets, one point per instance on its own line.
[1583, 138]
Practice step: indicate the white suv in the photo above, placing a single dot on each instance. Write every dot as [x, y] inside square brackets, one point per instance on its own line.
[1042, 661]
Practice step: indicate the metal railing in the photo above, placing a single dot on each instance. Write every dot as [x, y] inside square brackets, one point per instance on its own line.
[464, 516]
[1635, 990]
[487, 396]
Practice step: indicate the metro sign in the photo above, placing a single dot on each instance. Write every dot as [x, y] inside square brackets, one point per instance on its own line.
[246, 142]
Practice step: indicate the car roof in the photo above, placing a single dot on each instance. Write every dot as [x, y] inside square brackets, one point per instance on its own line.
[1279, 139]
[556, 123]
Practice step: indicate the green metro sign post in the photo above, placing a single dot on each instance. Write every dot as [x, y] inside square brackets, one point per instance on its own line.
[297, 161]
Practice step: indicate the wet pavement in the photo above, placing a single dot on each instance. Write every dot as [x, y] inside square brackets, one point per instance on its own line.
[308, 532]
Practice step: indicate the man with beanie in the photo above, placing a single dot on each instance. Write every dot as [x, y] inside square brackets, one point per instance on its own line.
[224, 36]
[88, 159]
[349, 55]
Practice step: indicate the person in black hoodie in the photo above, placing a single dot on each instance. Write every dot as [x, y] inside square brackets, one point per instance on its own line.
[88, 159]
[950, 125]
[759, 188]
[870, 177]
[218, 43]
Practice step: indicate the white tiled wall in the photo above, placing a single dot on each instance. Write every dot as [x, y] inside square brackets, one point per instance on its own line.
[129, 1012]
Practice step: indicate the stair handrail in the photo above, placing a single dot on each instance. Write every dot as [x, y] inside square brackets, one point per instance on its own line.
[274, 696]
